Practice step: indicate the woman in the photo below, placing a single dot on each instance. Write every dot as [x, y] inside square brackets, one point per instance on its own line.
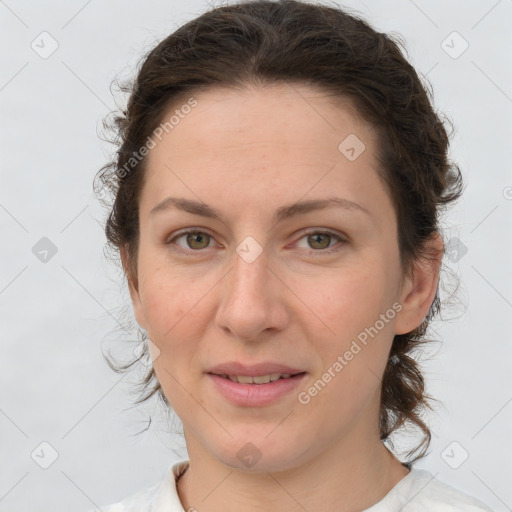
[278, 185]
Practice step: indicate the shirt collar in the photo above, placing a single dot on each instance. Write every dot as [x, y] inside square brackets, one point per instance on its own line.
[166, 498]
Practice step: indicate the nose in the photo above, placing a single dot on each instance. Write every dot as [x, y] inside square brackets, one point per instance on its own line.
[252, 300]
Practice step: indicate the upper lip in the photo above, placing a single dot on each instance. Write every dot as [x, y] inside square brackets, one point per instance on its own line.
[253, 370]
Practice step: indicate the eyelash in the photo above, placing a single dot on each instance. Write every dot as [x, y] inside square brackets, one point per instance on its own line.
[196, 252]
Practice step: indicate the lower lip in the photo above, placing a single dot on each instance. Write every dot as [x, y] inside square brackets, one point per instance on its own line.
[251, 395]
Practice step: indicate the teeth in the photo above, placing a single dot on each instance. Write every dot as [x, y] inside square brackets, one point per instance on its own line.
[262, 379]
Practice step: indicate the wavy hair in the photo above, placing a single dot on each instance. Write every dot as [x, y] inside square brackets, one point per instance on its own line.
[265, 42]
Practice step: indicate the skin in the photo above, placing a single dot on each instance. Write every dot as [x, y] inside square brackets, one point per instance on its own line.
[248, 153]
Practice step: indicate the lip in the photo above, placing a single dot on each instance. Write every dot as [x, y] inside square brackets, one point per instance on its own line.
[254, 370]
[254, 395]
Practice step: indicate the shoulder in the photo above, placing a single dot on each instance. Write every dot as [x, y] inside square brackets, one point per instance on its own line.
[423, 492]
[139, 501]
[160, 497]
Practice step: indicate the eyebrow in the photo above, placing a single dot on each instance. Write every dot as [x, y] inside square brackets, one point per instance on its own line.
[282, 213]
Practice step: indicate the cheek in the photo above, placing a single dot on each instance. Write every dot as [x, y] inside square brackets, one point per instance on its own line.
[350, 299]
[356, 318]
[173, 308]
[172, 327]
[160, 308]
[167, 299]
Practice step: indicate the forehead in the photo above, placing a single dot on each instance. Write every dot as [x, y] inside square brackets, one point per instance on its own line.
[288, 114]
[263, 143]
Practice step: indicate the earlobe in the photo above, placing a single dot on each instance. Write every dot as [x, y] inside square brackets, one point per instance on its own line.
[419, 289]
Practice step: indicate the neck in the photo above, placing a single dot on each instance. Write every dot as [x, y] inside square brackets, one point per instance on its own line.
[332, 482]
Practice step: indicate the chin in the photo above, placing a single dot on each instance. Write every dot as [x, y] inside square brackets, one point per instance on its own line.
[259, 456]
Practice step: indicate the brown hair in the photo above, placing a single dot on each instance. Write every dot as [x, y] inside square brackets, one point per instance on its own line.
[265, 42]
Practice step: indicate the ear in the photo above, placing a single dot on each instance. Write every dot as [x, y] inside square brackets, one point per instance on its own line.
[133, 288]
[419, 288]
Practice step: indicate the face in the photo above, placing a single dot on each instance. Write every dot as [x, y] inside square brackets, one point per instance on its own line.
[319, 290]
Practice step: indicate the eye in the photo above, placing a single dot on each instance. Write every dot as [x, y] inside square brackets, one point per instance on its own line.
[320, 241]
[195, 240]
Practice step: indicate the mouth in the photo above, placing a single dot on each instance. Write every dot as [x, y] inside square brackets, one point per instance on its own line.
[255, 391]
[259, 379]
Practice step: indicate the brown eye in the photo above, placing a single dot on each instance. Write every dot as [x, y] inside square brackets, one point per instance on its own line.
[197, 240]
[319, 240]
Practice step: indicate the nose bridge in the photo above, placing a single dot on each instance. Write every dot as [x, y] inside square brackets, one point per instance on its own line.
[249, 274]
[249, 279]
[249, 301]
[250, 270]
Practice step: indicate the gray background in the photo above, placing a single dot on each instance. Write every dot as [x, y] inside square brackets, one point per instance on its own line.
[57, 316]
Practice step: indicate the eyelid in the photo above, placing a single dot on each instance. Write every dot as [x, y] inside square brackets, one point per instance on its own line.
[342, 239]
[178, 234]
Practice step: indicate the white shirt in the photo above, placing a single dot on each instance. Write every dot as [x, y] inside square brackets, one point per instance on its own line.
[418, 491]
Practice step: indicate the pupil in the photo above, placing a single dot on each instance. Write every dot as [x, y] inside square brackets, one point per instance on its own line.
[315, 238]
[194, 236]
